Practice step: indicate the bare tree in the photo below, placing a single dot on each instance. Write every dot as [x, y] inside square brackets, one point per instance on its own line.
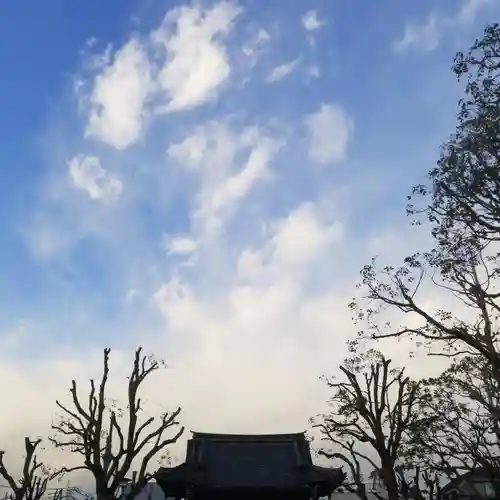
[35, 476]
[372, 407]
[470, 329]
[460, 418]
[108, 445]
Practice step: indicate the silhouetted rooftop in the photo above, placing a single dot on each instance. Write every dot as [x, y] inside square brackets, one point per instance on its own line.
[249, 462]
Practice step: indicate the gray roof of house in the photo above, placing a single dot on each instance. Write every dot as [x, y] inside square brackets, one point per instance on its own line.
[478, 474]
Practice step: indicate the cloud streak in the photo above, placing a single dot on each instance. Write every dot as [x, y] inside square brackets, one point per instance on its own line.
[427, 36]
[283, 70]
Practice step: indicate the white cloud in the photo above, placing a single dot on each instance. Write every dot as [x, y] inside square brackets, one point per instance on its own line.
[219, 200]
[311, 21]
[197, 61]
[130, 296]
[263, 313]
[427, 36]
[256, 46]
[12, 339]
[87, 174]
[254, 322]
[195, 64]
[330, 129]
[190, 151]
[301, 237]
[313, 72]
[468, 11]
[212, 149]
[259, 313]
[118, 97]
[282, 71]
[181, 245]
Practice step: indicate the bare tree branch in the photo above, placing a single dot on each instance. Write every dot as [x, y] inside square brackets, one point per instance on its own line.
[35, 476]
[372, 405]
[108, 445]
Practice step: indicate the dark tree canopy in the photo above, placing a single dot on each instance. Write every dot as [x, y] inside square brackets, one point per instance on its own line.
[458, 414]
[447, 298]
[418, 482]
[463, 196]
[108, 439]
[464, 187]
[458, 427]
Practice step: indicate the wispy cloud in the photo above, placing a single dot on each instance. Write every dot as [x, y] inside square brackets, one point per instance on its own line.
[87, 174]
[330, 129]
[311, 21]
[427, 36]
[280, 72]
[224, 181]
[257, 45]
[116, 111]
[196, 58]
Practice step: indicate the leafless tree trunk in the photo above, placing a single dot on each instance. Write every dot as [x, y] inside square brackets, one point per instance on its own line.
[108, 446]
[373, 405]
[35, 476]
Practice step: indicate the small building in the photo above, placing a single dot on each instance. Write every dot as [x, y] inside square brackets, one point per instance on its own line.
[473, 485]
[228, 466]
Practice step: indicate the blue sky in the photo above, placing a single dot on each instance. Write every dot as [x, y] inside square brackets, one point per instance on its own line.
[206, 179]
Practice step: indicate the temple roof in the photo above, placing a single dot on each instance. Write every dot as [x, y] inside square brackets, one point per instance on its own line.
[249, 461]
[248, 437]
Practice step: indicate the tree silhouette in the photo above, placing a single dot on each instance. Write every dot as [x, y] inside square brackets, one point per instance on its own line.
[372, 407]
[34, 478]
[108, 445]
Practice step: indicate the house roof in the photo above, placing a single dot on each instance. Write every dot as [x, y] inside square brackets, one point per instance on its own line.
[228, 461]
[475, 475]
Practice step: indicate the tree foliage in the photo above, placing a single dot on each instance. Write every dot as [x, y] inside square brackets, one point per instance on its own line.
[464, 212]
[464, 188]
[458, 426]
[418, 482]
[453, 420]
[108, 445]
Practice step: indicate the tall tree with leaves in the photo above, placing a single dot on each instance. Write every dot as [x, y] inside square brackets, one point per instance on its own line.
[418, 482]
[34, 477]
[109, 444]
[457, 430]
[464, 187]
[463, 196]
[372, 406]
[463, 209]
